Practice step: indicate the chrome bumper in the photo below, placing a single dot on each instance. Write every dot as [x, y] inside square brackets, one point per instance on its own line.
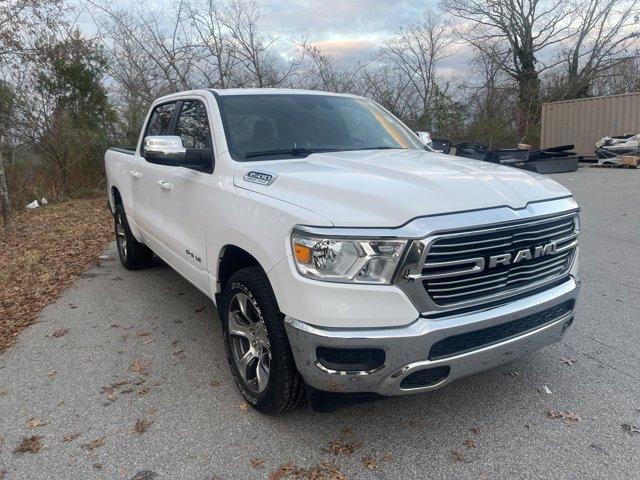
[407, 348]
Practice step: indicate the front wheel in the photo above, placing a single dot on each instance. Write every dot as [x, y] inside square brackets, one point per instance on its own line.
[256, 344]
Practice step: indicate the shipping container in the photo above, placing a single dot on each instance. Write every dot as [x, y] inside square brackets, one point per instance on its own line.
[585, 121]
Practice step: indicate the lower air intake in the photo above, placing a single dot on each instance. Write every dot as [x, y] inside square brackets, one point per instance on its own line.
[465, 342]
[425, 378]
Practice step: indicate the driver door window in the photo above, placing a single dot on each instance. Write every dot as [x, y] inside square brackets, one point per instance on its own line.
[193, 125]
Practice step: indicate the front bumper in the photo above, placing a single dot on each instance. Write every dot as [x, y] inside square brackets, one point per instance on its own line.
[407, 349]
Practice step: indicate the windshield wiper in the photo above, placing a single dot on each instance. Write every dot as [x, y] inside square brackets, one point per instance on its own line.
[296, 152]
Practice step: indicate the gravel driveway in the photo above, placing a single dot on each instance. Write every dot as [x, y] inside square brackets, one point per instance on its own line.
[125, 377]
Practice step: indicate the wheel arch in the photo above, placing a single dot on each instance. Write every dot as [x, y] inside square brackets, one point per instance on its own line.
[231, 259]
[116, 197]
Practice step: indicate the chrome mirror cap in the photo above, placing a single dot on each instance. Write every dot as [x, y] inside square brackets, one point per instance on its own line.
[164, 147]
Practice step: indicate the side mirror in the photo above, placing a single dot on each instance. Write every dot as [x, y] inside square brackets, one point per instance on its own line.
[168, 150]
[425, 138]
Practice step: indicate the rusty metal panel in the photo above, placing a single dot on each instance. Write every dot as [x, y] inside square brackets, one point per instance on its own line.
[585, 121]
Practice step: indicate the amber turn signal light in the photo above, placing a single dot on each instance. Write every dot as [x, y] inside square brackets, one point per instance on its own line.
[302, 252]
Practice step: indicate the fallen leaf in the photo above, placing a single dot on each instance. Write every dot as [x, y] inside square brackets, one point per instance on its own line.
[3, 392]
[457, 456]
[568, 361]
[29, 445]
[141, 426]
[199, 309]
[35, 422]
[322, 471]
[470, 443]
[416, 423]
[142, 391]
[60, 333]
[370, 462]
[215, 383]
[567, 417]
[52, 374]
[70, 437]
[143, 334]
[475, 431]
[630, 429]
[137, 366]
[32, 277]
[257, 463]
[347, 432]
[95, 443]
[340, 446]
[244, 406]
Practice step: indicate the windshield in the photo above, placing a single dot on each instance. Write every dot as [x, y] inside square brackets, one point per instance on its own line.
[266, 127]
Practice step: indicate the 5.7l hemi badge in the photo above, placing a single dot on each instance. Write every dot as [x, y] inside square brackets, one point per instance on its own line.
[261, 178]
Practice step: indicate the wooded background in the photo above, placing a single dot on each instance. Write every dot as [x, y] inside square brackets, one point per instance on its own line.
[66, 96]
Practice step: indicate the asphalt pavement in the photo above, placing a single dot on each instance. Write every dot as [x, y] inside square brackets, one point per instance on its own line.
[125, 377]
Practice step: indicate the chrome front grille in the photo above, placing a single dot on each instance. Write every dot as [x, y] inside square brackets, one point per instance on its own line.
[475, 266]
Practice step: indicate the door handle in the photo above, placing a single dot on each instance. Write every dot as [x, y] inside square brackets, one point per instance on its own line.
[135, 174]
[164, 185]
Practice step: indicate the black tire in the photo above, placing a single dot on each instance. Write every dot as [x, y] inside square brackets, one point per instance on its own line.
[133, 254]
[284, 388]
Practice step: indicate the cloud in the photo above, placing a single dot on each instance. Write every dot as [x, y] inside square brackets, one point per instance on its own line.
[350, 50]
[322, 20]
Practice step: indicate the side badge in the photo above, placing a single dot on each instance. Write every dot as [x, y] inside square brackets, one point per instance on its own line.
[261, 178]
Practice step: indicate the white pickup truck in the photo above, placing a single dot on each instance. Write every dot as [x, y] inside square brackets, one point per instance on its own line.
[342, 254]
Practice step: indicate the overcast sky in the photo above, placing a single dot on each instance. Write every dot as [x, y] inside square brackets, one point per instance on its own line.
[348, 29]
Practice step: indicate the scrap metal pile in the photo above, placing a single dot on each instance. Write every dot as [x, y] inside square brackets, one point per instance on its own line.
[619, 150]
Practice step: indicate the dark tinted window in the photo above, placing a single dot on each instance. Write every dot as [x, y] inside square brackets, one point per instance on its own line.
[193, 126]
[160, 119]
[258, 124]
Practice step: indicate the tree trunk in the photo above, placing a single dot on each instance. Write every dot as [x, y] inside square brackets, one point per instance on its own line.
[528, 105]
[5, 204]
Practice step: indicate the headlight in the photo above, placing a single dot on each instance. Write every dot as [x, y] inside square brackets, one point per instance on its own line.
[346, 259]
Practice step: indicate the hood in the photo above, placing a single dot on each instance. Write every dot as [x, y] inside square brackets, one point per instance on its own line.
[388, 188]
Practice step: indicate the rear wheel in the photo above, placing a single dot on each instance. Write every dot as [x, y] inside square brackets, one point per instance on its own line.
[133, 254]
[257, 345]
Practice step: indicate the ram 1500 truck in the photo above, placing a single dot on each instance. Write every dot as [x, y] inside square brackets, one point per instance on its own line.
[342, 254]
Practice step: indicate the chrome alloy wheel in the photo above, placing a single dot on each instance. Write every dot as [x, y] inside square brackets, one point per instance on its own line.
[121, 236]
[249, 342]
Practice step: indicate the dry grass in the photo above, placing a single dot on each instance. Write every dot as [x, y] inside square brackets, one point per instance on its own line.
[48, 249]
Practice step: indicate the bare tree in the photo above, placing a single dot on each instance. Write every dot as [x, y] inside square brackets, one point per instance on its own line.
[490, 99]
[514, 33]
[415, 52]
[391, 89]
[254, 51]
[624, 77]
[605, 33]
[218, 59]
[325, 74]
